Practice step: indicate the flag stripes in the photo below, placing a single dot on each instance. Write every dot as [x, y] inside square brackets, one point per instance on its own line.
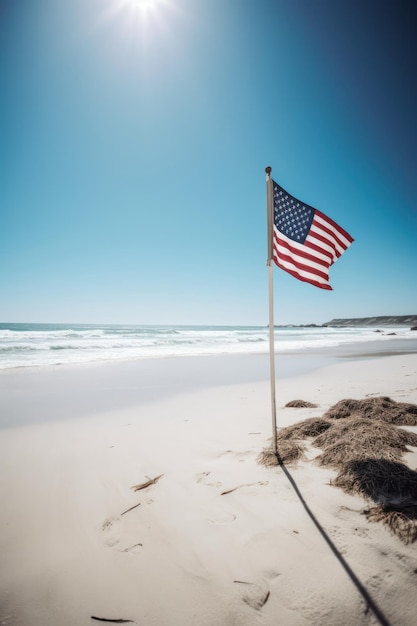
[305, 241]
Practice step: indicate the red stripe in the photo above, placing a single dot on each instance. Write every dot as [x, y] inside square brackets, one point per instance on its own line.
[326, 241]
[340, 230]
[313, 246]
[303, 254]
[333, 237]
[301, 266]
[305, 280]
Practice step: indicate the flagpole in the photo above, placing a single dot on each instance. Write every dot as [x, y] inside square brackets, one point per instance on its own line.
[270, 222]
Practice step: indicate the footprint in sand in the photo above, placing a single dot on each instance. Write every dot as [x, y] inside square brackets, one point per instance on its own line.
[242, 455]
[271, 574]
[225, 519]
[252, 594]
[108, 523]
[262, 483]
[377, 581]
[202, 478]
[111, 541]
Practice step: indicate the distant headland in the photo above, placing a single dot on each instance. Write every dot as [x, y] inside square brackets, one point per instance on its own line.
[384, 320]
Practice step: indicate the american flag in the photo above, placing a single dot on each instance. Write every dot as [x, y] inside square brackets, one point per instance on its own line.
[305, 242]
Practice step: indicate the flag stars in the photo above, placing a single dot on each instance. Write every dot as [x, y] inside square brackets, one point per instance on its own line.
[291, 217]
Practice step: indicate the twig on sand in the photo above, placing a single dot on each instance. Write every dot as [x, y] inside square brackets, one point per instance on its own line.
[242, 582]
[224, 493]
[137, 545]
[113, 621]
[131, 509]
[148, 483]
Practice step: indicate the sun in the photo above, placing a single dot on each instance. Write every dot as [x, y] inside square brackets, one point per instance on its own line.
[138, 24]
[137, 10]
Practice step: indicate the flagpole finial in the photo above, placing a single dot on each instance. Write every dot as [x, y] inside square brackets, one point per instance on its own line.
[268, 170]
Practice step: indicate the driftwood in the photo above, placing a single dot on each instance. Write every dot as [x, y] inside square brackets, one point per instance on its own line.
[148, 483]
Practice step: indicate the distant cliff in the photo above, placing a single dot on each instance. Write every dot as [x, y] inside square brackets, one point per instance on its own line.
[384, 320]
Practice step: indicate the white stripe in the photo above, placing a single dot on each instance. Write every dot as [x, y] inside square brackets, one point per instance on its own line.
[302, 260]
[303, 248]
[318, 242]
[345, 242]
[303, 273]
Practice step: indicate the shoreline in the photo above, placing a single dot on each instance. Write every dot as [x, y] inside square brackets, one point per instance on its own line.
[213, 537]
[30, 395]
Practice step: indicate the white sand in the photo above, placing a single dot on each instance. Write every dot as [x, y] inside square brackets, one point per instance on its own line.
[67, 552]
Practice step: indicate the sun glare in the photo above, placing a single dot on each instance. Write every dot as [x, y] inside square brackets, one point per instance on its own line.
[140, 25]
[137, 11]
[143, 5]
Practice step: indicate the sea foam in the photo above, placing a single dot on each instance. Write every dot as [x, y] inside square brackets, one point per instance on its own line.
[52, 344]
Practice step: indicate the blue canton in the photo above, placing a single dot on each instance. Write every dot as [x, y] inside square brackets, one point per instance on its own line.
[291, 216]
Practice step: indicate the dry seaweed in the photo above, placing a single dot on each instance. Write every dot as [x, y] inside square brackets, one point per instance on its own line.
[267, 458]
[358, 428]
[289, 441]
[311, 427]
[392, 486]
[379, 408]
[289, 452]
[301, 404]
[362, 441]
[402, 522]
[337, 455]
[358, 438]
[383, 481]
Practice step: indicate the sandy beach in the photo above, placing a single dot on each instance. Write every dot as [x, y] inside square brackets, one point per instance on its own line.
[209, 537]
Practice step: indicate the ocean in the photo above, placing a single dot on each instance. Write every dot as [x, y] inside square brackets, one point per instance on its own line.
[35, 345]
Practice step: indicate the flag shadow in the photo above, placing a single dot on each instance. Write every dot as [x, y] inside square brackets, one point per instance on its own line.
[370, 602]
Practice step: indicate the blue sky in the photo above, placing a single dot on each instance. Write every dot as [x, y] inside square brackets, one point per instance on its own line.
[135, 138]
